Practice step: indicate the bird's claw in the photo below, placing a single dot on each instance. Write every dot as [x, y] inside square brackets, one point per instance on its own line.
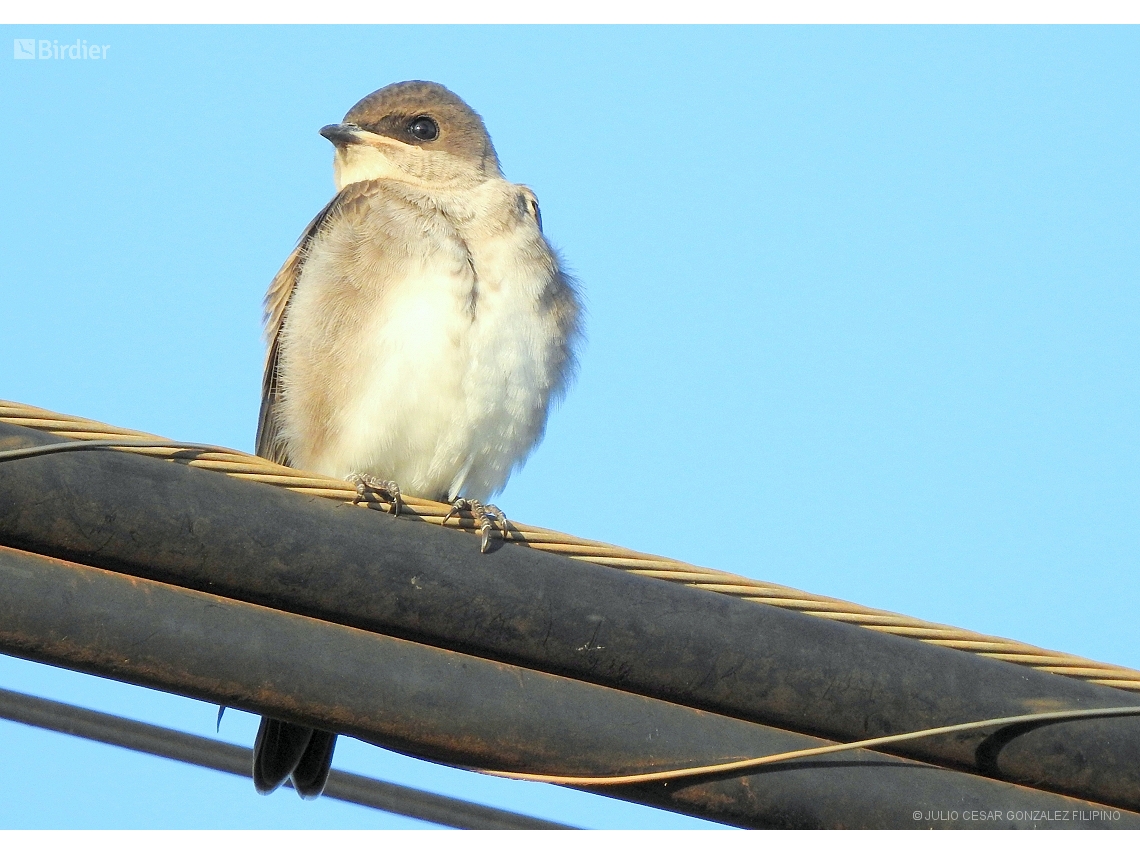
[488, 518]
[367, 483]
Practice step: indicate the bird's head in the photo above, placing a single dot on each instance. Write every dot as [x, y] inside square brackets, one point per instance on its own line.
[413, 131]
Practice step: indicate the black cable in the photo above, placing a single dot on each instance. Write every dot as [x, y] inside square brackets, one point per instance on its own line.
[236, 760]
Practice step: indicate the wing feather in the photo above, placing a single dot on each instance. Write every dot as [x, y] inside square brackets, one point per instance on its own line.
[270, 443]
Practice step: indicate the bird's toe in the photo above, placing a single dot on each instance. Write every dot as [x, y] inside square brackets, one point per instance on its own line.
[368, 485]
[488, 519]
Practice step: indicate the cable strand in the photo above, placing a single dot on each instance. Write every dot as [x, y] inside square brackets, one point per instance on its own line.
[767, 760]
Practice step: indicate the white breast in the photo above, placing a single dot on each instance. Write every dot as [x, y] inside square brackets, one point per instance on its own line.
[422, 351]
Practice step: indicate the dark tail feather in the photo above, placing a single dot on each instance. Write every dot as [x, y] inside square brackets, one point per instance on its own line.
[312, 772]
[276, 753]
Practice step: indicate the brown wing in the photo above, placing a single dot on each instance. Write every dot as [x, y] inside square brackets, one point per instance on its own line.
[270, 444]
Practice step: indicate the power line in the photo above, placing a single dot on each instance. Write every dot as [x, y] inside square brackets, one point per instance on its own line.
[236, 760]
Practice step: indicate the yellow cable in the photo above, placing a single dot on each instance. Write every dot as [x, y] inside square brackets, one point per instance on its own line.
[739, 765]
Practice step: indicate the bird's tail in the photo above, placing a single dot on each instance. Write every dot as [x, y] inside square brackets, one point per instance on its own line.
[284, 751]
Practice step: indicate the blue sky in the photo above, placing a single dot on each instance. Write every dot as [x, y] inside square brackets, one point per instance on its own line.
[863, 316]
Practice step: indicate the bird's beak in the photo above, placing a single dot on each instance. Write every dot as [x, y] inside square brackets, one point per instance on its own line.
[343, 134]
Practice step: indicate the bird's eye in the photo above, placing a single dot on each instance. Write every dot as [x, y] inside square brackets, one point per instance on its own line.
[424, 128]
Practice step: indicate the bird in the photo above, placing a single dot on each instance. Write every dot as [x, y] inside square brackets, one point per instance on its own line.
[418, 335]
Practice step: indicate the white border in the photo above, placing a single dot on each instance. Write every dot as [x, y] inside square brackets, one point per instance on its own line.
[576, 12]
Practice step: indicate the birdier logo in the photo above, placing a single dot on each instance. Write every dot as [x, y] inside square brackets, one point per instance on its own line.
[52, 49]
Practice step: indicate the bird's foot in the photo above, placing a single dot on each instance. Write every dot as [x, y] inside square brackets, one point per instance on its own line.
[488, 518]
[367, 483]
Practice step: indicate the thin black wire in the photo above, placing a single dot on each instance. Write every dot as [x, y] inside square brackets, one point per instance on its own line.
[112, 444]
[236, 760]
